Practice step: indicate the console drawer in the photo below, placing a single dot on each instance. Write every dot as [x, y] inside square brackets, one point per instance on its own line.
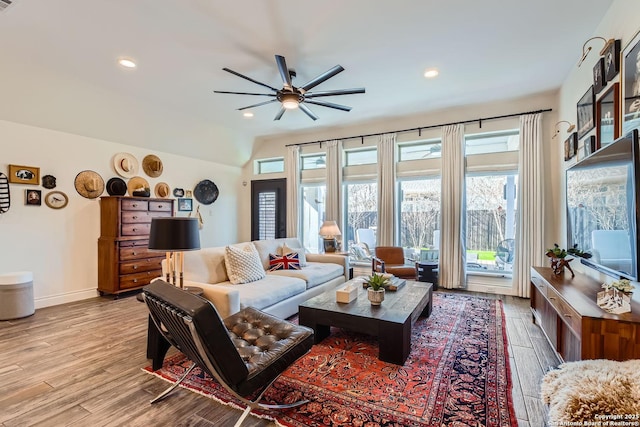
[136, 229]
[140, 265]
[138, 279]
[134, 205]
[160, 206]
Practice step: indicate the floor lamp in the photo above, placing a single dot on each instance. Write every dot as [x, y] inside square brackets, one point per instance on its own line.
[174, 235]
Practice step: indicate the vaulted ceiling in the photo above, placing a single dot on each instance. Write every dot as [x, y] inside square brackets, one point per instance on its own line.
[58, 62]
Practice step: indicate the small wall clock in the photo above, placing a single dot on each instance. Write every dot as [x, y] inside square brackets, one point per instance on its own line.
[56, 199]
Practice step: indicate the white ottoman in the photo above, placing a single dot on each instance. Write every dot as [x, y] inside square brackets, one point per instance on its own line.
[16, 295]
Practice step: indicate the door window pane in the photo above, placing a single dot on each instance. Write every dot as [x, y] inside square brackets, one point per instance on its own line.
[313, 212]
[491, 222]
[267, 215]
[361, 207]
[420, 218]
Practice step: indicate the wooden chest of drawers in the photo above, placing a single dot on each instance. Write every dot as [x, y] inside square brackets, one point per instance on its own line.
[124, 262]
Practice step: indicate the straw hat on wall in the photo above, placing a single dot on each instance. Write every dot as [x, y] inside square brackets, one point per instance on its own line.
[89, 184]
[125, 164]
[152, 165]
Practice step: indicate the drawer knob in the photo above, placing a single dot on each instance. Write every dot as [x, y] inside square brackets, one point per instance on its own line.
[135, 267]
[159, 206]
[552, 298]
[135, 280]
[135, 217]
[134, 252]
[135, 205]
[134, 229]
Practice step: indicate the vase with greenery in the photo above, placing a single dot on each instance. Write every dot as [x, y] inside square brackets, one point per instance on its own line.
[375, 291]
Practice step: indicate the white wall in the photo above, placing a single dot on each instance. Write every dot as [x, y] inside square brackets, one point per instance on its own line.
[60, 246]
[274, 146]
[620, 22]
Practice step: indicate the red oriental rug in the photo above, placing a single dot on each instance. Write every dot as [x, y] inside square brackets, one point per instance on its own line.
[456, 375]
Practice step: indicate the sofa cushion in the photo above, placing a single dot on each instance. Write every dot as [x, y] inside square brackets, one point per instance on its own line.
[289, 261]
[269, 290]
[285, 249]
[274, 246]
[243, 264]
[314, 274]
[205, 265]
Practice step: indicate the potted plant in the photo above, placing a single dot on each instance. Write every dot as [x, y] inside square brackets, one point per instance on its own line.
[559, 260]
[375, 291]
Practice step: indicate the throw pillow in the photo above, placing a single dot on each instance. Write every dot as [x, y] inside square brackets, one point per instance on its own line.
[243, 264]
[289, 261]
[300, 251]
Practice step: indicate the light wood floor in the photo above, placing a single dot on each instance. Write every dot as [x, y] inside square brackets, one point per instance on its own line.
[79, 364]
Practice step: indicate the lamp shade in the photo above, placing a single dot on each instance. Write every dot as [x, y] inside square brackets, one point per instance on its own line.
[174, 234]
[329, 229]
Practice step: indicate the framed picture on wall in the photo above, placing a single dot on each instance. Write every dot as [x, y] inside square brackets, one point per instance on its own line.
[185, 205]
[608, 116]
[586, 113]
[631, 85]
[598, 76]
[24, 175]
[612, 61]
[33, 197]
[570, 146]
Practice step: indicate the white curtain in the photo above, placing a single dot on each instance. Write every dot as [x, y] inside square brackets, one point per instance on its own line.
[529, 231]
[334, 183]
[452, 235]
[292, 169]
[386, 189]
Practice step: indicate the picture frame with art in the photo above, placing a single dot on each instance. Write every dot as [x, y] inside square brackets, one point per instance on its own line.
[29, 175]
[612, 61]
[570, 146]
[631, 85]
[599, 80]
[589, 146]
[185, 205]
[608, 116]
[33, 197]
[586, 113]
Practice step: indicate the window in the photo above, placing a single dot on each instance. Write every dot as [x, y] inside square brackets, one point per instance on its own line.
[419, 150]
[366, 156]
[312, 213]
[314, 161]
[361, 207]
[497, 142]
[269, 166]
[491, 222]
[419, 218]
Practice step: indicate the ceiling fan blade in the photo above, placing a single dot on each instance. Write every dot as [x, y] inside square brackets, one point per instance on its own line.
[249, 78]
[284, 72]
[334, 92]
[307, 111]
[321, 78]
[329, 104]
[244, 93]
[257, 105]
[280, 113]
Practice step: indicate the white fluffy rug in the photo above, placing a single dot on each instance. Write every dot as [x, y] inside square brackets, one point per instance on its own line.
[593, 390]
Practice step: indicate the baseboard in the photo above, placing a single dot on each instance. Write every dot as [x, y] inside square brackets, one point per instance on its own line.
[65, 298]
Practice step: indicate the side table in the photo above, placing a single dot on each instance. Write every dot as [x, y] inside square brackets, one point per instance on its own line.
[428, 272]
[157, 345]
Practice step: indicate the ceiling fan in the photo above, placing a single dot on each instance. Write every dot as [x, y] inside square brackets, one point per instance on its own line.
[292, 97]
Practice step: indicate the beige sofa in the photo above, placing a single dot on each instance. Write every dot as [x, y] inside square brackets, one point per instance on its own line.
[279, 293]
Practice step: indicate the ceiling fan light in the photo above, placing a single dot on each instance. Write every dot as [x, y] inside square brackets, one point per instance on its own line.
[290, 101]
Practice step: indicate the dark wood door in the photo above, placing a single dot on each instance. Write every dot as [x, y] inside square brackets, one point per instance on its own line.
[268, 209]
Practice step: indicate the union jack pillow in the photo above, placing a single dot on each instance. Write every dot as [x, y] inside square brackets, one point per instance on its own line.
[290, 261]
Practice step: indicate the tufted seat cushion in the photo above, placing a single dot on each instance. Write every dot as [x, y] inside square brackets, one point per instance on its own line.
[261, 338]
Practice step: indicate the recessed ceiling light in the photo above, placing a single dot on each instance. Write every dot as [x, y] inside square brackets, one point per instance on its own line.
[431, 73]
[127, 63]
[248, 114]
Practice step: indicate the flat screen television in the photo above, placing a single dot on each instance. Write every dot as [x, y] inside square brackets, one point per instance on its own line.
[602, 207]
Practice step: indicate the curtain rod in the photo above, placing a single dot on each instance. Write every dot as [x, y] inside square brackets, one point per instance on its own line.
[419, 129]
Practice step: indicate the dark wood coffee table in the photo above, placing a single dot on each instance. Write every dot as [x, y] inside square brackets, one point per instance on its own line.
[390, 322]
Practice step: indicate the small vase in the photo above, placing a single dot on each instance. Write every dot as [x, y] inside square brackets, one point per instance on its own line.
[376, 297]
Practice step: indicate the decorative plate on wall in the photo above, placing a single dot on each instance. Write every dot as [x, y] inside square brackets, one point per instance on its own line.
[5, 195]
[206, 192]
[56, 199]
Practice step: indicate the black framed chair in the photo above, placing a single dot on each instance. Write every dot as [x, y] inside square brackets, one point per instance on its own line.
[245, 353]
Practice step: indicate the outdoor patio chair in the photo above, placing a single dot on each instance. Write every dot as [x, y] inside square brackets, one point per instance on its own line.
[245, 353]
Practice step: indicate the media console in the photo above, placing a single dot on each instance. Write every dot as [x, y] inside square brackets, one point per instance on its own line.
[565, 309]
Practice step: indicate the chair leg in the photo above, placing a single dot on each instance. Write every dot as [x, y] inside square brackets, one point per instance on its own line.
[243, 416]
[177, 383]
